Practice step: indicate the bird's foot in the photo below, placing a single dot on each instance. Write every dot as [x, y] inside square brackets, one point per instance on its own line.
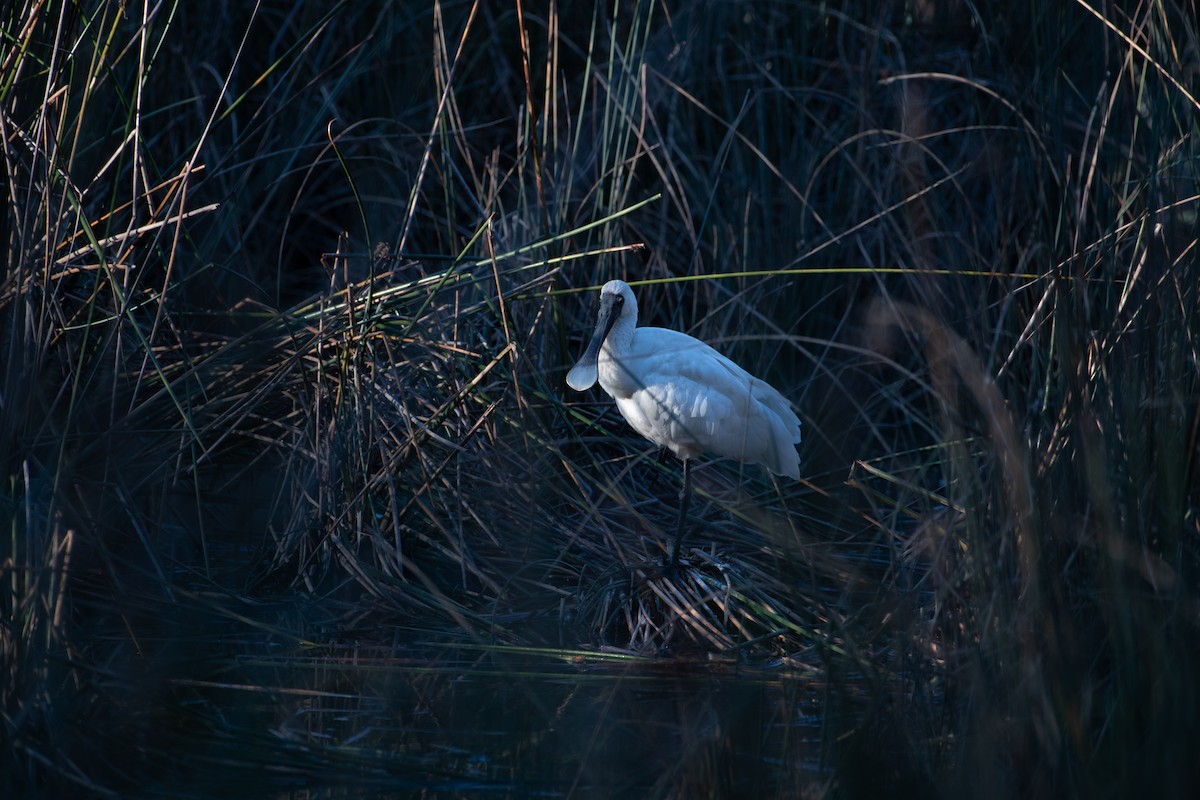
[670, 567]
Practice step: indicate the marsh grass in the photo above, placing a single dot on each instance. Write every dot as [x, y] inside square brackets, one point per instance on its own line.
[287, 306]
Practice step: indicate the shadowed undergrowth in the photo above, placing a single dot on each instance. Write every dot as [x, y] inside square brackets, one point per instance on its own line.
[286, 451]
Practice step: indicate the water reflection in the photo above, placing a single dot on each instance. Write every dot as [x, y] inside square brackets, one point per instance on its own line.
[501, 722]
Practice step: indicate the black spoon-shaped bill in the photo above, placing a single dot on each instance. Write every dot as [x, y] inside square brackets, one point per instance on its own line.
[585, 373]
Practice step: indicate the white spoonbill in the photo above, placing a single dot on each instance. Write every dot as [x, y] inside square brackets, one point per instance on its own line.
[681, 394]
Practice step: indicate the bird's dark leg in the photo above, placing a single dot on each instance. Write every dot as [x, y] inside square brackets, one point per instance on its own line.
[685, 496]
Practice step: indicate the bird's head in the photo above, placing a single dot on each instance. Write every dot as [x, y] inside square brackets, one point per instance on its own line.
[616, 303]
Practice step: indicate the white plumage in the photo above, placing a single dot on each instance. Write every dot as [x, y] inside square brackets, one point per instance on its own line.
[682, 394]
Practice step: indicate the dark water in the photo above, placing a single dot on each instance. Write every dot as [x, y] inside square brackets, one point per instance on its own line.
[466, 721]
[201, 696]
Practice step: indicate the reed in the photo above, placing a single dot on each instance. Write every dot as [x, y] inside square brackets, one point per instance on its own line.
[289, 297]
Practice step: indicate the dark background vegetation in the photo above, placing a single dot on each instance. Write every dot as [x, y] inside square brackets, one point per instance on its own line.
[295, 500]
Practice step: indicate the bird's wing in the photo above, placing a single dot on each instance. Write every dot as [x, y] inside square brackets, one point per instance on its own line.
[673, 401]
[676, 357]
[695, 399]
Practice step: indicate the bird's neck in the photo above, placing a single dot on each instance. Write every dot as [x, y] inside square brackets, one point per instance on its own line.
[620, 339]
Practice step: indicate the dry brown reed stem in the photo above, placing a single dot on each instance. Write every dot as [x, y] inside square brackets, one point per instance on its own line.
[1034, 615]
[951, 364]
